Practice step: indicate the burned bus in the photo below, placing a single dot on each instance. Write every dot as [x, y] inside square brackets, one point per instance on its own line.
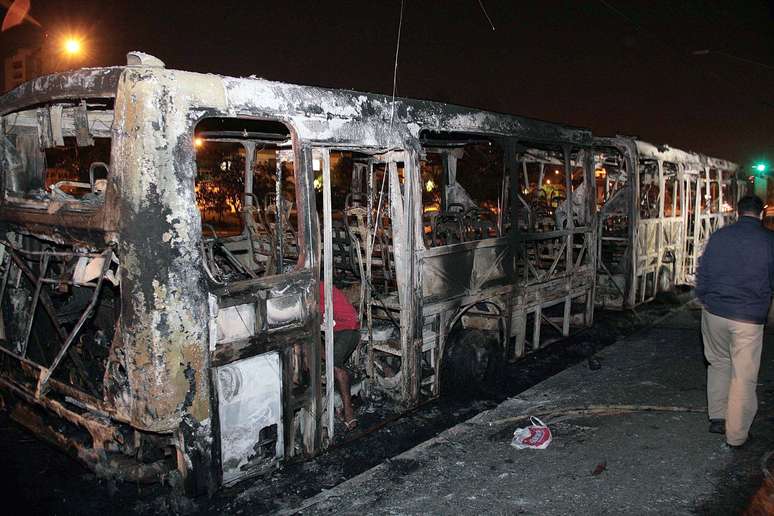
[163, 234]
[657, 208]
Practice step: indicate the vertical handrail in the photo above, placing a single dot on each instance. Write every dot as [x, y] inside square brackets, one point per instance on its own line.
[279, 224]
[328, 284]
[369, 266]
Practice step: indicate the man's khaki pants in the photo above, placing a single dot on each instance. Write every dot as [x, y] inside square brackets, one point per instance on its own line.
[733, 350]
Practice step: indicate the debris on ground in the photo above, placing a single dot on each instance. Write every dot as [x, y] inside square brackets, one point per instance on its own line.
[537, 436]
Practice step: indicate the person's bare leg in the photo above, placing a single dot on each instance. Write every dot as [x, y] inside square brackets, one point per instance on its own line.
[342, 380]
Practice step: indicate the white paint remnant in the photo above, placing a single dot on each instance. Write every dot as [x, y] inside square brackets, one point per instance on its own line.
[283, 310]
[249, 400]
[236, 323]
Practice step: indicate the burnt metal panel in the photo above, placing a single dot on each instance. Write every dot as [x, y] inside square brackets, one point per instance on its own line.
[164, 319]
[86, 83]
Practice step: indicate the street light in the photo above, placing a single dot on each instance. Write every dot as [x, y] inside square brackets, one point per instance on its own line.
[72, 46]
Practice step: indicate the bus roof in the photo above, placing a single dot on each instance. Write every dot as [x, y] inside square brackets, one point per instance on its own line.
[296, 101]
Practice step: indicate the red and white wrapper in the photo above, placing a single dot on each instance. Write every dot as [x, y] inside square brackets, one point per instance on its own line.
[536, 436]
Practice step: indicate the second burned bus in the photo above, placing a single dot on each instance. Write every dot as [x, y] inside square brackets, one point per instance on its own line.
[657, 208]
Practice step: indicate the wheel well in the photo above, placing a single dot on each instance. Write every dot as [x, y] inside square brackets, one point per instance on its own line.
[471, 364]
[456, 325]
[482, 316]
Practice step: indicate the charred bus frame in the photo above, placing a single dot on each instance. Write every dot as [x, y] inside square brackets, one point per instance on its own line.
[153, 345]
[657, 208]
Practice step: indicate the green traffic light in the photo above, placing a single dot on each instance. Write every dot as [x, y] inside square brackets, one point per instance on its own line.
[760, 167]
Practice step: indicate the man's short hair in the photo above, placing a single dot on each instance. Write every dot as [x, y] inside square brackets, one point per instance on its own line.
[749, 204]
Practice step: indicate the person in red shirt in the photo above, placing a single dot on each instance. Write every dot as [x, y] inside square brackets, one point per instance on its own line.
[346, 337]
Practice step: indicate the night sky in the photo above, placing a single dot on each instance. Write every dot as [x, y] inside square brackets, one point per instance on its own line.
[614, 66]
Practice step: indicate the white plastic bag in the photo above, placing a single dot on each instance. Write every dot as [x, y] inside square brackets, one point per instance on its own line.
[536, 436]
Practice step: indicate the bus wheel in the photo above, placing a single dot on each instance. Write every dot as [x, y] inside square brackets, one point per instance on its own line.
[665, 279]
[472, 364]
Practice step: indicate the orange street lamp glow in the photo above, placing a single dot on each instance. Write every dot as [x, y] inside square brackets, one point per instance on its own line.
[72, 46]
[198, 142]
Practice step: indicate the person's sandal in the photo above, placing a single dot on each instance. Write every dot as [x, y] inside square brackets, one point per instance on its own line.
[349, 425]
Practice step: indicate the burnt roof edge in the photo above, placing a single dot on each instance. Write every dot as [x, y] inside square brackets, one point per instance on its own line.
[76, 84]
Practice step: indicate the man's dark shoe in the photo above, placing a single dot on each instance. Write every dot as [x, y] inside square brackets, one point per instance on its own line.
[717, 426]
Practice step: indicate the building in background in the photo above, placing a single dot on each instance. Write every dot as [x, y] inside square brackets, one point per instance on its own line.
[24, 64]
[30, 54]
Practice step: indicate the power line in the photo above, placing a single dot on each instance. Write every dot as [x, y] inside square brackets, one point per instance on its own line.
[707, 51]
[395, 70]
[681, 56]
[483, 9]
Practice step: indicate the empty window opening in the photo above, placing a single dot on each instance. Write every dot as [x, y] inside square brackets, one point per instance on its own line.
[611, 178]
[650, 193]
[710, 201]
[672, 192]
[464, 188]
[360, 221]
[58, 152]
[220, 187]
[246, 194]
[728, 192]
[543, 190]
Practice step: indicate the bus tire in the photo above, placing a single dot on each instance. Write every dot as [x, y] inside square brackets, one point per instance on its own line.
[472, 365]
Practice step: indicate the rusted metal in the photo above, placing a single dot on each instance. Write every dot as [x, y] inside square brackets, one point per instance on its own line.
[34, 304]
[43, 383]
[210, 337]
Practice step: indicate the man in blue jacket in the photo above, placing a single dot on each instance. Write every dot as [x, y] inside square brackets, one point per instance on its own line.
[735, 282]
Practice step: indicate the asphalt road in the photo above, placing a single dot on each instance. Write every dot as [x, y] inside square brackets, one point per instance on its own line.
[644, 449]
